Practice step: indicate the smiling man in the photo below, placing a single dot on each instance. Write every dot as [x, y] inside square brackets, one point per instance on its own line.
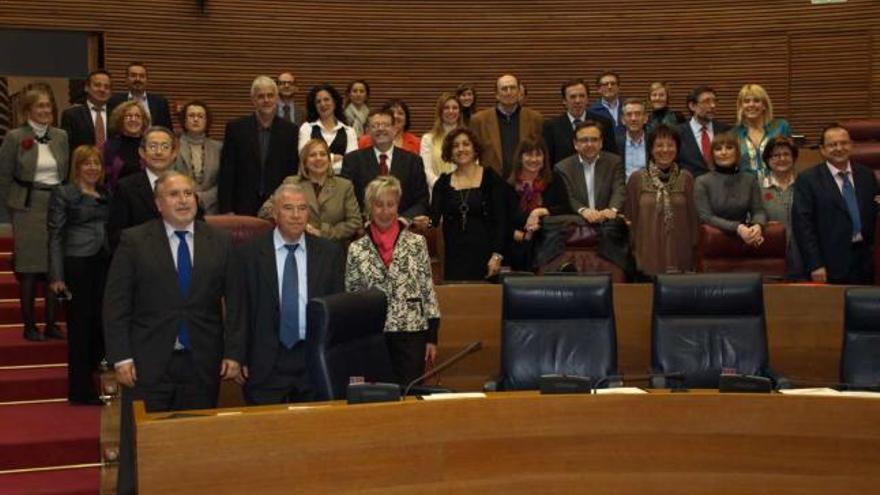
[559, 131]
[695, 153]
[259, 151]
[500, 129]
[87, 123]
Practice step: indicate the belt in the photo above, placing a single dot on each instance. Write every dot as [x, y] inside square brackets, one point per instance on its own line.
[30, 186]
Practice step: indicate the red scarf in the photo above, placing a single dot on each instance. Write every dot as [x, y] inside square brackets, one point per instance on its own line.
[530, 194]
[385, 241]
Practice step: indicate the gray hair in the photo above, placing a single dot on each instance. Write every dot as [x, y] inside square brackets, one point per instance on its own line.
[169, 175]
[286, 187]
[158, 128]
[263, 82]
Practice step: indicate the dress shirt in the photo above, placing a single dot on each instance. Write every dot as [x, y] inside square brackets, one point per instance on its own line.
[301, 260]
[590, 178]
[572, 118]
[47, 166]
[143, 101]
[697, 129]
[93, 111]
[389, 154]
[280, 112]
[835, 172]
[152, 177]
[612, 109]
[635, 154]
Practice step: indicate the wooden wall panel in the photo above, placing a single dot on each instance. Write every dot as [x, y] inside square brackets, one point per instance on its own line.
[417, 49]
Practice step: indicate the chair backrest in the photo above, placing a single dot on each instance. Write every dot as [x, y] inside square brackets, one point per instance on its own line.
[860, 357]
[345, 339]
[705, 323]
[556, 325]
[240, 227]
[862, 129]
[721, 251]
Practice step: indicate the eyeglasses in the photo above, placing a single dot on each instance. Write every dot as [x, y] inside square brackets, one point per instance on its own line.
[585, 140]
[287, 83]
[154, 147]
[380, 125]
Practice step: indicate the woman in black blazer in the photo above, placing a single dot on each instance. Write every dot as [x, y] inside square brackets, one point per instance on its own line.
[79, 255]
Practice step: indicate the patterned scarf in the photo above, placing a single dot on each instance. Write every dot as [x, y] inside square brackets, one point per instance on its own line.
[530, 193]
[662, 184]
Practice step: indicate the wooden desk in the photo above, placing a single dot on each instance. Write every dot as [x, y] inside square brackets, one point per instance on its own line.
[522, 443]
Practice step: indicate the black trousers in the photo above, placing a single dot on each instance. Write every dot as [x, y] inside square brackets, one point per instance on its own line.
[85, 277]
[861, 266]
[407, 350]
[288, 382]
[180, 388]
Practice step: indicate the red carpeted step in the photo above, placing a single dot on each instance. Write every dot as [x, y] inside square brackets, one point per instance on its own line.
[53, 434]
[8, 285]
[77, 481]
[33, 383]
[10, 312]
[6, 243]
[16, 351]
[5, 262]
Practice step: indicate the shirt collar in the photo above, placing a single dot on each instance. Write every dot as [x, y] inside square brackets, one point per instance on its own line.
[152, 177]
[589, 163]
[133, 97]
[834, 170]
[279, 242]
[390, 153]
[39, 129]
[170, 230]
[94, 107]
[696, 126]
[572, 118]
[635, 142]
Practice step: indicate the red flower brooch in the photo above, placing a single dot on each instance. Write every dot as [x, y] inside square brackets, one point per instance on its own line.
[27, 144]
[768, 195]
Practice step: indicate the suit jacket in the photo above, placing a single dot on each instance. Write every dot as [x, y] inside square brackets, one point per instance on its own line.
[143, 304]
[609, 182]
[689, 155]
[18, 162]
[207, 188]
[598, 108]
[245, 180]
[77, 226]
[258, 315]
[160, 114]
[485, 125]
[822, 225]
[335, 211]
[361, 166]
[133, 203]
[559, 136]
[77, 121]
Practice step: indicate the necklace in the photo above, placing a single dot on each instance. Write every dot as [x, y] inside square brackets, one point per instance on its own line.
[463, 207]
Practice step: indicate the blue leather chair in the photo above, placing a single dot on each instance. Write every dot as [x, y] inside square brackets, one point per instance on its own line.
[860, 357]
[705, 323]
[556, 325]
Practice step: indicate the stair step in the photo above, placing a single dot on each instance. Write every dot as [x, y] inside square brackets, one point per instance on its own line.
[10, 311]
[69, 481]
[5, 262]
[19, 384]
[16, 351]
[6, 243]
[8, 285]
[52, 434]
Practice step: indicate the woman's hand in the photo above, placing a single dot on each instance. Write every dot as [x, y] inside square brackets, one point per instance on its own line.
[430, 355]
[58, 287]
[519, 235]
[312, 230]
[757, 235]
[494, 265]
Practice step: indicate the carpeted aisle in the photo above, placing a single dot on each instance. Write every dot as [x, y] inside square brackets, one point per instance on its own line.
[46, 446]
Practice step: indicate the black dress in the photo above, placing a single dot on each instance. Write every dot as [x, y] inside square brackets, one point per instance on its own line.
[474, 224]
[555, 199]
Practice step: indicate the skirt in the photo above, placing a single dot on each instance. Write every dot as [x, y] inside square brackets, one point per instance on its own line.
[31, 236]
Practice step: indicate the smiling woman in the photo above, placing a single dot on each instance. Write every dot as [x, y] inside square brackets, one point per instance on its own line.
[755, 127]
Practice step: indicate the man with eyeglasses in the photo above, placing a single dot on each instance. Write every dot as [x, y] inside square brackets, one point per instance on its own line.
[609, 105]
[695, 154]
[834, 214]
[383, 158]
[134, 202]
[155, 104]
[287, 98]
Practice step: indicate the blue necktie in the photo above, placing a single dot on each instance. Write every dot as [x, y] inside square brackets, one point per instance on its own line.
[290, 299]
[849, 196]
[184, 275]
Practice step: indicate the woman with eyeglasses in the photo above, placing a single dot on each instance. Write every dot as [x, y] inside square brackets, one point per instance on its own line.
[777, 194]
[128, 121]
[198, 155]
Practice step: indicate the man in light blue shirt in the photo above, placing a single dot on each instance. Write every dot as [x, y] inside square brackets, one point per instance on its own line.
[631, 141]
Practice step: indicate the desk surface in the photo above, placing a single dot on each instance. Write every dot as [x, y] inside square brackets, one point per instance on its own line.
[521, 443]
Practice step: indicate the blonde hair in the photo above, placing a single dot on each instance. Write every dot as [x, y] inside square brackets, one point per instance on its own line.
[304, 153]
[439, 132]
[81, 155]
[754, 90]
[379, 186]
[118, 114]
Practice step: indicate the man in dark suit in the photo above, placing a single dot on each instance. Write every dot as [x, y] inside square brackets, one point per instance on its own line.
[259, 151]
[501, 128]
[631, 142]
[609, 106]
[559, 132]
[134, 202]
[362, 166]
[87, 124]
[281, 271]
[287, 99]
[155, 105]
[834, 214]
[695, 153]
[594, 178]
[163, 313]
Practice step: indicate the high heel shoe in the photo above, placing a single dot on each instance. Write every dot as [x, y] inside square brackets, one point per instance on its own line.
[31, 333]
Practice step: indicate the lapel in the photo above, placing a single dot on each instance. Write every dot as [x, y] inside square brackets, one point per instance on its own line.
[145, 194]
[829, 184]
[399, 166]
[267, 269]
[201, 254]
[59, 151]
[495, 135]
[254, 141]
[694, 145]
[185, 157]
[599, 180]
[578, 179]
[212, 155]
[27, 158]
[313, 266]
[311, 200]
[372, 168]
[86, 116]
[167, 271]
[327, 192]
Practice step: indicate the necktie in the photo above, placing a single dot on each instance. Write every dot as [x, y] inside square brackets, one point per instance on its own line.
[290, 299]
[849, 196]
[286, 110]
[575, 122]
[383, 164]
[706, 146]
[100, 130]
[184, 275]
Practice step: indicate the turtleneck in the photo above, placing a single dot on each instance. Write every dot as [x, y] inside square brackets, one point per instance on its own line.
[39, 129]
[195, 138]
[732, 170]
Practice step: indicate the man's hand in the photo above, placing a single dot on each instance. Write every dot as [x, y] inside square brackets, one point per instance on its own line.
[421, 222]
[819, 275]
[229, 369]
[592, 216]
[243, 376]
[126, 374]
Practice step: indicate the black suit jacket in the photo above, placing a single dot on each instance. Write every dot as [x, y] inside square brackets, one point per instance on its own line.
[245, 182]
[258, 315]
[822, 225]
[689, 155]
[132, 204]
[143, 305]
[77, 121]
[559, 136]
[620, 143]
[361, 166]
[160, 113]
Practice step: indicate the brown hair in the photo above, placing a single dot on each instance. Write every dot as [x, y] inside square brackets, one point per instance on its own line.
[525, 146]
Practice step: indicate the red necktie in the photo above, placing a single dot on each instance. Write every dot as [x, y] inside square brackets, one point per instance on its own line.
[383, 164]
[100, 131]
[706, 146]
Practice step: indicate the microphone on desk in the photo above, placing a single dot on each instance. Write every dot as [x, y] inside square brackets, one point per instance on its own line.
[458, 356]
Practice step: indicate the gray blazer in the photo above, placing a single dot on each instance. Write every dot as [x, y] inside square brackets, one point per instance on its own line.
[18, 162]
[77, 226]
[207, 188]
[609, 182]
